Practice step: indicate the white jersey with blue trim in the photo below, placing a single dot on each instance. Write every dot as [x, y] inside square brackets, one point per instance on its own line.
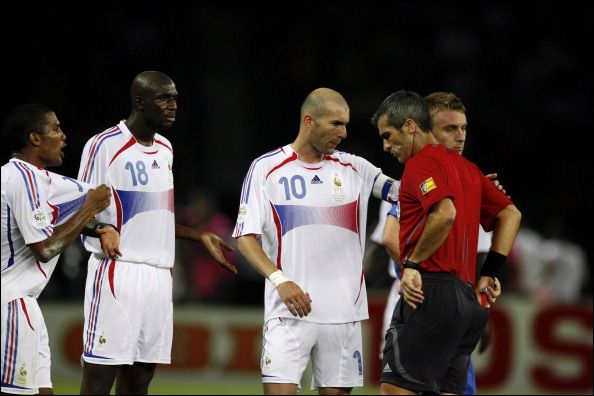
[33, 202]
[312, 219]
[142, 206]
[377, 233]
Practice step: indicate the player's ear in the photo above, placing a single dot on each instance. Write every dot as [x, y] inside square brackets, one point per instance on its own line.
[138, 102]
[308, 121]
[35, 139]
[409, 126]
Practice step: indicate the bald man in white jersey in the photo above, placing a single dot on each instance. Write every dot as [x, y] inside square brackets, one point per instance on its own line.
[308, 204]
[128, 301]
[42, 213]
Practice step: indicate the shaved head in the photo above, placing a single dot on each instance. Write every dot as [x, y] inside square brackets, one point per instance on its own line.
[147, 82]
[316, 103]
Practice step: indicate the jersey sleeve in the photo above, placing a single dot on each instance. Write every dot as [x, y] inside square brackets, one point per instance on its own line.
[252, 211]
[384, 187]
[93, 162]
[428, 182]
[26, 198]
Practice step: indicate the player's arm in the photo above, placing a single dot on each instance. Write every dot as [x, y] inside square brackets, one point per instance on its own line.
[96, 200]
[440, 219]
[386, 188]
[390, 237]
[297, 301]
[506, 228]
[375, 262]
[213, 244]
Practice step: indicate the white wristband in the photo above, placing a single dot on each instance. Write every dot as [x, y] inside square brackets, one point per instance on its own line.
[278, 277]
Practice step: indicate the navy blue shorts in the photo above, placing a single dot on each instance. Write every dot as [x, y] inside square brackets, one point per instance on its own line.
[428, 349]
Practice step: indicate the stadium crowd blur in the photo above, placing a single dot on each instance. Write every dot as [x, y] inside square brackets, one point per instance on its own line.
[242, 69]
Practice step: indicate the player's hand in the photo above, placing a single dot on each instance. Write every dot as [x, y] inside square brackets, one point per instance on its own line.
[215, 246]
[411, 285]
[493, 178]
[295, 298]
[110, 241]
[98, 198]
[487, 290]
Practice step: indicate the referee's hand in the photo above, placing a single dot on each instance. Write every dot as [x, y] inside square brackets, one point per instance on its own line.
[411, 285]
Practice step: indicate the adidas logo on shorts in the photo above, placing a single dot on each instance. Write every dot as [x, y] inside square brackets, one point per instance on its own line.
[387, 369]
[316, 180]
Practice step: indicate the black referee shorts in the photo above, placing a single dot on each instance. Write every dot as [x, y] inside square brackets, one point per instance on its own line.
[428, 349]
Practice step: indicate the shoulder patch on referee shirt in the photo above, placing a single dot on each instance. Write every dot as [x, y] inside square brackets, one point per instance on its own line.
[427, 186]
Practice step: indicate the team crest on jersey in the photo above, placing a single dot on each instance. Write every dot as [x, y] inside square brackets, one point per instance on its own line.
[170, 174]
[21, 378]
[427, 186]
[337, 190]
[39, 219]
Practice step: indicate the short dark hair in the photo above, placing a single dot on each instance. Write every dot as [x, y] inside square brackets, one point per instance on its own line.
[401, 105]
[440, 101]
[20, 123]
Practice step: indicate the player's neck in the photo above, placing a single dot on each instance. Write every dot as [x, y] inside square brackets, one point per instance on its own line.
[422, 140]
[306, 152]
[29, 158]
[143, 134]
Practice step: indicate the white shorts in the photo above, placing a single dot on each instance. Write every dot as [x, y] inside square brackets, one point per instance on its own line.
[25, 349]
[128, 313]
[335, 351]
[393, 298]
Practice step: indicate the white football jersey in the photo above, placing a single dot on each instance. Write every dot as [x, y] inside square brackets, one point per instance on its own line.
[484, 240]
[378, 231]
[312, 219]
[33, 202]
[142, 206]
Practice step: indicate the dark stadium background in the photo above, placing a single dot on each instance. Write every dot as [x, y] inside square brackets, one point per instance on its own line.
[242, 70]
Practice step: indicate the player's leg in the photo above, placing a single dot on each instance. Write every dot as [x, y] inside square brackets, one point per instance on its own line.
[135, 379]
[111, 325]
[44, 381]
[97, 379]
[337, 359]
[153, 288]
[459, 378]
[393, 297]
[286, 348]
[21, 322]
[470, 380]
[416, 355]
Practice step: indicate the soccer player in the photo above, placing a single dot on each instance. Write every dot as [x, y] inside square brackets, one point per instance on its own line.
[308, 204]
[443, 199]
[128, 302]
[42, 213]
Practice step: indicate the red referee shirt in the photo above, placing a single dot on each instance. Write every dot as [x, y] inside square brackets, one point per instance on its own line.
[431, 175]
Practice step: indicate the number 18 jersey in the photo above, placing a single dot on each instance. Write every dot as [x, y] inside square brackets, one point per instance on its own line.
[142, 205]
[312, 221]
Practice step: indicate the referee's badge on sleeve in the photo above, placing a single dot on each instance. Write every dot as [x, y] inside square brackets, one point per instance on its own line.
[427, 186]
